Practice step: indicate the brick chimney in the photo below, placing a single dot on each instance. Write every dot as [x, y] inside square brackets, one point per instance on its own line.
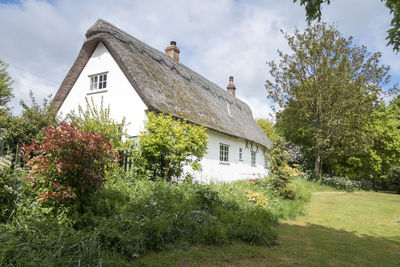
[231, 87]
[173, 51]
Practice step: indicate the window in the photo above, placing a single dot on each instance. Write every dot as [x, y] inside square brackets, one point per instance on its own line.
[98, 81]
[253, 157]
[266, 165]
[223, 153]
[240, 154]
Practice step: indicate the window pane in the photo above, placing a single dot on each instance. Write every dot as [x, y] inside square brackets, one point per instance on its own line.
[104, 84]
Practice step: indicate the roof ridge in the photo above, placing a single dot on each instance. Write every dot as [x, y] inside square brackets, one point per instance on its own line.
[90, 32]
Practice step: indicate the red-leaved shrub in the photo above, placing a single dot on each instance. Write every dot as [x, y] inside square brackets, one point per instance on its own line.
[67, 164]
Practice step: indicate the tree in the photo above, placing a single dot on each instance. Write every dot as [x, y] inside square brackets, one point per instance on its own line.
[32, 122]
[268, 127]
[326, 88]
[383, 153]
[5, 85]
[168, 144]
[5, 94]
[313, 11]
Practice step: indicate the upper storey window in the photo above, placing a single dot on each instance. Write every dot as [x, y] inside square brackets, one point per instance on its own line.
[98, 81]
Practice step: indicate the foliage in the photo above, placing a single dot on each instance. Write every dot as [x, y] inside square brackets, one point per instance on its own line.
[268, 127]
[340, 229]
[168, 144]
[393, 179]
[326, 87]
[5, 86]
[278, 158]
[313, 11]
[98, 120]
[129, 217]
[340, 183]
[7, 190]
[31, 124]
[383, 152]
[67, 165]
[257, 198]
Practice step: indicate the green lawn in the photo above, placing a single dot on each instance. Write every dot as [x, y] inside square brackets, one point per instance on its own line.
[339, 229]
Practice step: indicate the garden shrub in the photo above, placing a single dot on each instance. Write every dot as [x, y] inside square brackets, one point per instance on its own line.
[337, 182]
[8, 192]
[340, 183]
[393, 179]
[67, 165]
[129, 216]
[168, 144]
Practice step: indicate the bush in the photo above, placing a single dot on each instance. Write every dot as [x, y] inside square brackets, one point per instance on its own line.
[67, 165]
[130, 216]
[393, 179]
[337, 182]
[168, 144]
[7, 189]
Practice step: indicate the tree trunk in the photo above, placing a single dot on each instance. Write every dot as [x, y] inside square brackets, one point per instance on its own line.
[317, 163]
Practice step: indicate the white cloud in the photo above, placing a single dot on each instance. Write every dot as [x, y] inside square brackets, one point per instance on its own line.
[217, 38]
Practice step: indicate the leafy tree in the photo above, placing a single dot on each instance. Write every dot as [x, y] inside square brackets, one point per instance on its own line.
[67, 165]
[168, 144]
[268, 127]
[98, 120]
[32, 122]
[5, 95]
[326, 88]
[313, 11]
[5, 85]
[383, 153]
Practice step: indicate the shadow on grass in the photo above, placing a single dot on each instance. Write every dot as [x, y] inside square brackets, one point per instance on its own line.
[311, 243]
[305, 245]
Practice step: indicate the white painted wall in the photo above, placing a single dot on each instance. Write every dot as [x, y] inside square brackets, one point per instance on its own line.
[119, 94]
[215, 171]
[125, 102]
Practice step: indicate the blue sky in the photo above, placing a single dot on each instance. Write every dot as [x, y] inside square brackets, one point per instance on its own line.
[217, 38]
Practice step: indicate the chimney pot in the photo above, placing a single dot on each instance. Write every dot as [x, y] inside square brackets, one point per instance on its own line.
[173, 51]
[231, 87]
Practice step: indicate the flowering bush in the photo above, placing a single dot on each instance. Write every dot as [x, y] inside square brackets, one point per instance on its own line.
[5, 165]
[257, 198]
[68, 164]
[7, 193]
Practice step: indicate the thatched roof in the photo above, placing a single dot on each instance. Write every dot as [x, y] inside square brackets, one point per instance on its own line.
[167, 86]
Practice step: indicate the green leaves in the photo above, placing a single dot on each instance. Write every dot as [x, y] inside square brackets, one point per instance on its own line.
[5, 85]
[326, 87]
[98, 120]
[168, 144]
[313, 12]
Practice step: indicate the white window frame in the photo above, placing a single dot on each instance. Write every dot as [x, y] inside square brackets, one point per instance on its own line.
[98, 81]
[253, 158]
[223, 153]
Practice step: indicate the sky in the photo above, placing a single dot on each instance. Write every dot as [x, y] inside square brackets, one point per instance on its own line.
[217, 38]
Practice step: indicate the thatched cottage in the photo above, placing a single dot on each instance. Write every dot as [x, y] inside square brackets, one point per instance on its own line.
[134, 78]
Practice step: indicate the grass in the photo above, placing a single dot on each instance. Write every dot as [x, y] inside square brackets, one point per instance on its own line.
[339, 229]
